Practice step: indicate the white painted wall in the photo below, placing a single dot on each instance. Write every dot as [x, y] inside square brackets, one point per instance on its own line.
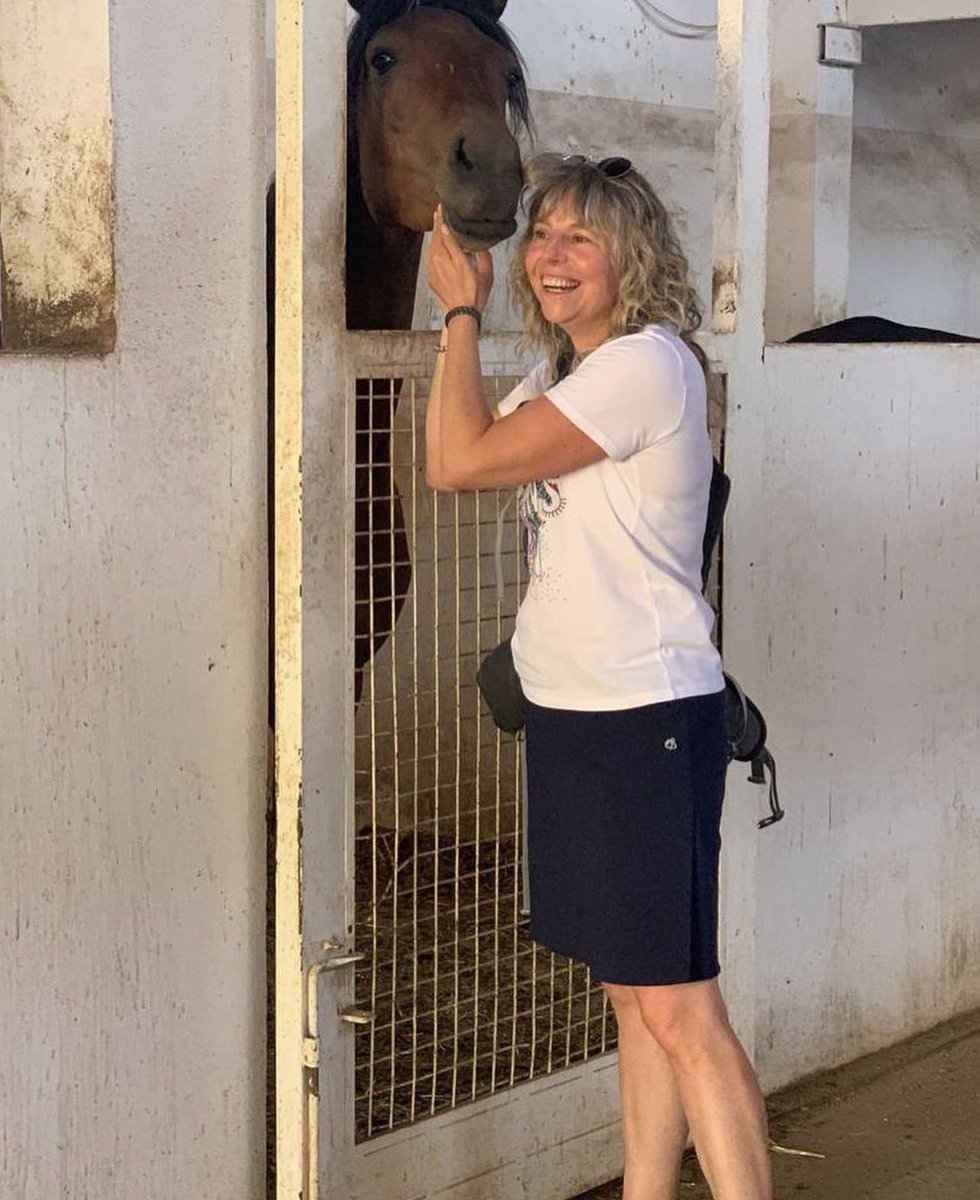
[882, 12]
[915, 241]
[616, 51]
[850, 605]
[132, 655]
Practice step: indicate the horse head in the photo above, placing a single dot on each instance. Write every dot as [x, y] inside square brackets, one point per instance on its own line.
[436, 89]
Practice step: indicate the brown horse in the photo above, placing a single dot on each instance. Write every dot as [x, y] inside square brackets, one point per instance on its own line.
[435, 94]
[434, 90]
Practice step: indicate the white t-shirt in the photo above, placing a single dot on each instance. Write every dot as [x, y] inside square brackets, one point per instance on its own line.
[613, 616]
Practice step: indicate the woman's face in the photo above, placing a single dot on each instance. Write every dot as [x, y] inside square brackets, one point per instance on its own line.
[570, 268]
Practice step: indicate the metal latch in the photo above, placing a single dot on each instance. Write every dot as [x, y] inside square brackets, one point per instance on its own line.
[341, 960]
[338, 955]
[356, 1016]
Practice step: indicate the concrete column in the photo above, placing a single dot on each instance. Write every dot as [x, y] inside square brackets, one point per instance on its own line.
[741, 158]
[741, 185]
[810, 175]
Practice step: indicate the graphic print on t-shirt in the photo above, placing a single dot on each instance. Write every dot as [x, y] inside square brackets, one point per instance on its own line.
[540, 500]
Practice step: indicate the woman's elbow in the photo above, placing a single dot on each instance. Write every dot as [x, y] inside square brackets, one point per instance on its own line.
[438, 480]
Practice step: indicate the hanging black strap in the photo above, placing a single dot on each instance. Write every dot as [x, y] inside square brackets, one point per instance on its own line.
[763, 761]
[745, 724]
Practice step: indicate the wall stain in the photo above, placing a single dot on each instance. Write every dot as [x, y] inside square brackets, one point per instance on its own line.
[81, 323]
[724, 290]
[65, 301]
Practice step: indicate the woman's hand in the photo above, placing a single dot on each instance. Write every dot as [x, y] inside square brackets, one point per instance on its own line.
[457, 276]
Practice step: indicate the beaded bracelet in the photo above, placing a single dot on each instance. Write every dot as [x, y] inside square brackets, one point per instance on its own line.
[466, 309]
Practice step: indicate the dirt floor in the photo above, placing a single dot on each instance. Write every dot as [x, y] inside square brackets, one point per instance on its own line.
[903, 1124]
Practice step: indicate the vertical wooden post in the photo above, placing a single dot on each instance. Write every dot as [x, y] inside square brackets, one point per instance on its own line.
[288, 575]
[314, 624]
[742, 187]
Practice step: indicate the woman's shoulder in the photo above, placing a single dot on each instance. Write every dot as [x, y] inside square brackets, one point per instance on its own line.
[655, 348]
[653, 339]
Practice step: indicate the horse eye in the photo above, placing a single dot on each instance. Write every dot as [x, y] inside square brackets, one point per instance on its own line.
[382, 61]
[515, 80]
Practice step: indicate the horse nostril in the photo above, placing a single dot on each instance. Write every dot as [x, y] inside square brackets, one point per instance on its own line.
[460, 157]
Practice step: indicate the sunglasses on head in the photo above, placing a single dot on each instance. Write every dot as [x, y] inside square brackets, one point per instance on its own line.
[613, 168]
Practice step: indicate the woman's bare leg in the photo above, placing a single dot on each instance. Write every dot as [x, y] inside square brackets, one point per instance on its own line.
[716, 1084]
[654, 1125]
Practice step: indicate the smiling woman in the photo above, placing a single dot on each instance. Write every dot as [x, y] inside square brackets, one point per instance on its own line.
[624, 714]
[57, 287]
[569, 268]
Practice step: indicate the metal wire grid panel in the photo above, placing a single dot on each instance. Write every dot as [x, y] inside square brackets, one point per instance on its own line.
[463, 1004]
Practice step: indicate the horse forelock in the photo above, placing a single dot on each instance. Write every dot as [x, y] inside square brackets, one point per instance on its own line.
[385, 11]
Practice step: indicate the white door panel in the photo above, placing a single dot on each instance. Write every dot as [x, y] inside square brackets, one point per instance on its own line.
[477, 1066]
[547, 1139]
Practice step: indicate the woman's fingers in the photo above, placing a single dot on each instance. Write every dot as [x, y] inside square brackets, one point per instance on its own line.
[441, 266]
[442, 234]
[456, 275]
[444, 249]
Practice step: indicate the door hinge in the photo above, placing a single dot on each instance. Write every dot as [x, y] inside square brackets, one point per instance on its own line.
[311, 1053]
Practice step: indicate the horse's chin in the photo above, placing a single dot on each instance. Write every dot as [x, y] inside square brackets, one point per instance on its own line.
[475, 235]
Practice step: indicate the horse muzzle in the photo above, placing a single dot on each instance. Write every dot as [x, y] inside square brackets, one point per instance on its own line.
[476, 234]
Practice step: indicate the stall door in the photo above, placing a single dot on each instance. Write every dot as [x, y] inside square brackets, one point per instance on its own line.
[424, 1046]
[468, 1062]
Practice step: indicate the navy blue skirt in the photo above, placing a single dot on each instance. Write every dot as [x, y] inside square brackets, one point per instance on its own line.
[624, 810]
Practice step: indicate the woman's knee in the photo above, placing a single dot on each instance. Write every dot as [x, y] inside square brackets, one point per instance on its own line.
[686, 1019]
[624, 1000]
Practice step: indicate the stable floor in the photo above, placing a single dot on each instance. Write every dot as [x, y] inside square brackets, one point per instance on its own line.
[903, 1124]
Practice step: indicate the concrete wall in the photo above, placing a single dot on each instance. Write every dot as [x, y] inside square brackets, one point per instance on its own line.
[883, 12]
[132, 655]
[810, 139]
[915, 236]
[851, 608]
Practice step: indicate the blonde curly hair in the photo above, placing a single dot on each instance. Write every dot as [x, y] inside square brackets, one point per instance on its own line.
[652, 269]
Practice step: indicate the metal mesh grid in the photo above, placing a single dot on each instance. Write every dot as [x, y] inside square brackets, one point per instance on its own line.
[464, 1004]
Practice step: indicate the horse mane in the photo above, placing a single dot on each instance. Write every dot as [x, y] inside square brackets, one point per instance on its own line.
[385, 11]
